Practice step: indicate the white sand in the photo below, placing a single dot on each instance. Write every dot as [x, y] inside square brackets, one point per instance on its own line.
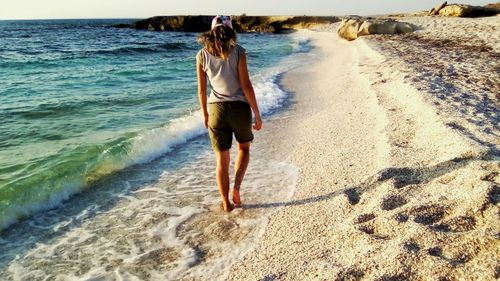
[387, 188]
[456, 63]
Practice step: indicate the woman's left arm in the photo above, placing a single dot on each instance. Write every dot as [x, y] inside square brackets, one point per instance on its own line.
[247, 87]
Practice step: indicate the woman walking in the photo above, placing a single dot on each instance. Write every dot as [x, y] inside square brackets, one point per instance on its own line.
[230, 105]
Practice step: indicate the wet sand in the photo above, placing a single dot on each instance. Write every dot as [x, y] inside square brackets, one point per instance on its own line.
[388, 188]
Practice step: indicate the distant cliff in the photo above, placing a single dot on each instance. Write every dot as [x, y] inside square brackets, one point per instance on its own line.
[270, 24]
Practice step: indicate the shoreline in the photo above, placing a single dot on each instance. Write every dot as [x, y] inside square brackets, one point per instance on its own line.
[385, 188]
[159, 219]
[367, 172]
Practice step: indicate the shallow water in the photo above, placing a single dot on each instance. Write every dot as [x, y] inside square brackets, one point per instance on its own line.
[148, 222]
[83, 100]
[139, 199]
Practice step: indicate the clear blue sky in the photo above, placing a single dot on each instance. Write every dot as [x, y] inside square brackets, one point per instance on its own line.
[62, 9]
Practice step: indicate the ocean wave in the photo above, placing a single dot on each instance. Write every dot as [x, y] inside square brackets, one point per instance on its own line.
[302, 43]
[141, 49]
[52, 112]
[82, 167]
[59, 109]
[21, 58]
[48, 182]
[52, 181]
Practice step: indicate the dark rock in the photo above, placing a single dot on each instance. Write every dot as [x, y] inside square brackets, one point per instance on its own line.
[175, 23]
[122, 25]
[240, 23]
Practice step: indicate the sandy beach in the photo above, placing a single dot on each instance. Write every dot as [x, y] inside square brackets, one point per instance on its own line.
[378, 159]
[395, 138]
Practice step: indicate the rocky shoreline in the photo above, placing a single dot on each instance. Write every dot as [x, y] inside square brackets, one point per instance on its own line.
[243, 23]
[278, 24]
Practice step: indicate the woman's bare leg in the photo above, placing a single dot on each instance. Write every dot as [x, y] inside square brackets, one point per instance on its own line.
[240, 169]
[222, 176]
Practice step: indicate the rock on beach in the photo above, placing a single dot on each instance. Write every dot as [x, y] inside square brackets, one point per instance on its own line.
[351, 29]
[462, 10]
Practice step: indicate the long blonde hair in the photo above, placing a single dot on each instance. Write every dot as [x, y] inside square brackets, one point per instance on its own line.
[219, 41]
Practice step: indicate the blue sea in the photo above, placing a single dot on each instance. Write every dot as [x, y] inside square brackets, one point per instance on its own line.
[106, 171]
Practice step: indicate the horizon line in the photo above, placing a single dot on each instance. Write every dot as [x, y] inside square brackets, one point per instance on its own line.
[243, 14]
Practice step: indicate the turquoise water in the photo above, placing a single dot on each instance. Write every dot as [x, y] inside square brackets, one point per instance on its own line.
[80, 100]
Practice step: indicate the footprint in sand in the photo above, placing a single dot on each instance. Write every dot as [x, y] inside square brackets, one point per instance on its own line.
[351, 273]
[364, 218]
[411, 247]
[429, 214]
[366, 229]
[392, 202]
[453, 261]
[402, 217]
[352, 195]
[494, 195]
[435, 251]
[456, 224]
[370, 230]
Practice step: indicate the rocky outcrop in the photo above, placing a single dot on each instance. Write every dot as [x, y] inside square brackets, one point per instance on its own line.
[267, 24]
[349, 28]
[461, 10]
[122, 25]
[352, 28]
[495, 6]
[175, 23]
[435, 11]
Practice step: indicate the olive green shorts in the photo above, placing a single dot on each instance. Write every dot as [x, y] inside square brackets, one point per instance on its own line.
[226, 118]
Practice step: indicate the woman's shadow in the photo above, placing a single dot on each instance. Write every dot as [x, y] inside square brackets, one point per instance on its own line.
[402, 177]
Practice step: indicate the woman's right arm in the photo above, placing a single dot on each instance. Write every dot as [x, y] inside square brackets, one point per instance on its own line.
[202, 89]
[247, 87]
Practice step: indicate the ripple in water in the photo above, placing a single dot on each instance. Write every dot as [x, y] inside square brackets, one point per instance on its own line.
[159, 221]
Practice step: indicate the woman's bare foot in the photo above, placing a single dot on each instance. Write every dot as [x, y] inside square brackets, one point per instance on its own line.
[226, 206]
[236, 197]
